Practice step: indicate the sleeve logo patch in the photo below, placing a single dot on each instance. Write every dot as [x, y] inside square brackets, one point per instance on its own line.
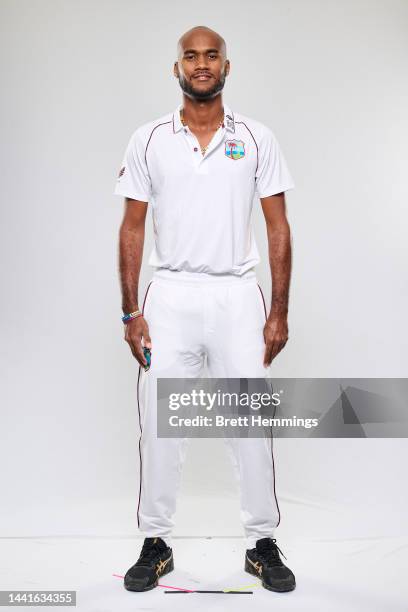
[235, 149]
[121, 171]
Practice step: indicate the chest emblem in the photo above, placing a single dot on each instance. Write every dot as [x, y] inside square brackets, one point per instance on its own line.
[234, 149]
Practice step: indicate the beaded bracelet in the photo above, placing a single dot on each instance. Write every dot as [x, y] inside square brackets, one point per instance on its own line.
[132, 315]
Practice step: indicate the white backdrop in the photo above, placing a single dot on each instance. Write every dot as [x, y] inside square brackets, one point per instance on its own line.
[329, 78]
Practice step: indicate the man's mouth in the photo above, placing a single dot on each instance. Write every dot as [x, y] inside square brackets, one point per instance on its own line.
[202, 77]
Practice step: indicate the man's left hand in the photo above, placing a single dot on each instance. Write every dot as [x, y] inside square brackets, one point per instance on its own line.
[275, 336]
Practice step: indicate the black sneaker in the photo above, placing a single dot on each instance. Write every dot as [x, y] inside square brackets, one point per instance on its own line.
[156, 560]
[264, 561]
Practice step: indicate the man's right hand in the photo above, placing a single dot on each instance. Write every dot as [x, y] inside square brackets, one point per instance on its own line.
[136, 331]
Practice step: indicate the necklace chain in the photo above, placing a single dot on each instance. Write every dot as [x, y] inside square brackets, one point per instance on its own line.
[203, 149]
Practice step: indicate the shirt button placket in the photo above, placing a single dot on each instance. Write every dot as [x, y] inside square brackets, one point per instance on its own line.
[195, 149]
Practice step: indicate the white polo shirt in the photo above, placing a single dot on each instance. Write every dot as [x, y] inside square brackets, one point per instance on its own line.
[202, 205]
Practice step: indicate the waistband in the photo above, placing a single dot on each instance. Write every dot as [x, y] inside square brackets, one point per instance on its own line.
[183, 276]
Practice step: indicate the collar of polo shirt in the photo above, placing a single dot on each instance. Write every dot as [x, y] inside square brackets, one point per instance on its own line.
[229, 120]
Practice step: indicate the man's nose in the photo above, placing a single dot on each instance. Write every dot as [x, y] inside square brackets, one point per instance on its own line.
[202, 62]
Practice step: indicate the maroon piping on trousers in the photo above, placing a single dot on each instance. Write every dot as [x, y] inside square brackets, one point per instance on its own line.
[140, 422]
[273, 462]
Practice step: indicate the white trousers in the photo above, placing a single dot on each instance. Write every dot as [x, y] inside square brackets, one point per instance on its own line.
[191, 315]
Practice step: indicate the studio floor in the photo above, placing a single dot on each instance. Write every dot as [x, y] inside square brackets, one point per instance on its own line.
[361, 575]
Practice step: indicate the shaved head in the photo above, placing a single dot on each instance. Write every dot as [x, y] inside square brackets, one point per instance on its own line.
[201, 50]
[194, 33]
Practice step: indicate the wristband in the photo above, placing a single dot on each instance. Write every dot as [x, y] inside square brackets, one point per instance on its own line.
[132, 315]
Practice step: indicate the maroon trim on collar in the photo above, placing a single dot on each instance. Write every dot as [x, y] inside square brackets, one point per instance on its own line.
[233, 120]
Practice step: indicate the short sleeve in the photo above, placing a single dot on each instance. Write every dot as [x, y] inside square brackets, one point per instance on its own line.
[133, 179]
[272, 175]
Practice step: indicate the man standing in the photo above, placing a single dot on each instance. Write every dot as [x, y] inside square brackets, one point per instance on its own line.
[199, 168]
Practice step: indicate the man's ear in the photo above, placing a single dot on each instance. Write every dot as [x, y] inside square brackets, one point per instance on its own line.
[227, 67]
[175, 69]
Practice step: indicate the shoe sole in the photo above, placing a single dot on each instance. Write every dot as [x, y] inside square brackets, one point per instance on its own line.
[253, 572]
[169, 568]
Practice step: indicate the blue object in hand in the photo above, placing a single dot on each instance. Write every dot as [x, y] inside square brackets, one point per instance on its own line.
[148, 358]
